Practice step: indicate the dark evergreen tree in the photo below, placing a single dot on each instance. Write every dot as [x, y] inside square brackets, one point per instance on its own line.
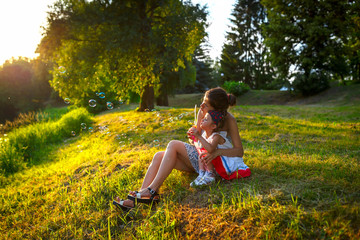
[306, 40]
[244, 56]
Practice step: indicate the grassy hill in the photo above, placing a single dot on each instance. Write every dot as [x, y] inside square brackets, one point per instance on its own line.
[335, 96]
[305, 175]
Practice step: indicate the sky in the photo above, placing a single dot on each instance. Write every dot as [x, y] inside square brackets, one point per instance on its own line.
[21, 21]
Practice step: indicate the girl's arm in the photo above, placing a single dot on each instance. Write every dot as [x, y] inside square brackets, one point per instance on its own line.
[211, 146]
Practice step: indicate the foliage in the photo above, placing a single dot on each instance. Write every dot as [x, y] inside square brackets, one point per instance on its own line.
[310, 85]
[24, 119]
[204, 73]
[119, 46]
[307, 36]
[236, 88]
[23, 87]
[27, 144]
[305, 182]
[244, 56]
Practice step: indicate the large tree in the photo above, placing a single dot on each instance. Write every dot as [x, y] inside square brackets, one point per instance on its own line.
[243, 56]
[306, 39]
[119, 46]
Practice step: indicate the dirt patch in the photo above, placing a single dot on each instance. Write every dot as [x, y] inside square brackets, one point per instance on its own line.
[204, 223]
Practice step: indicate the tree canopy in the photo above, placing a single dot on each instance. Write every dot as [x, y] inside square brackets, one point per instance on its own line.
[308, 39]
[118, 46]
[243, 57]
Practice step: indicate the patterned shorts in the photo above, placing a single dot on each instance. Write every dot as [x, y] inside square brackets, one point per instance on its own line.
[193, 156]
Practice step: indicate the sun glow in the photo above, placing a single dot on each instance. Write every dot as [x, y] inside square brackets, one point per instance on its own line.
[20, 22]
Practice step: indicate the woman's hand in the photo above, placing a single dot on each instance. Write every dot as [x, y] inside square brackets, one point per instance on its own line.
[206, 157]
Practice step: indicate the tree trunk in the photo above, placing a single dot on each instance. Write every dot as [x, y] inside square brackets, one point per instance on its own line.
[147, 99]
[162, 99]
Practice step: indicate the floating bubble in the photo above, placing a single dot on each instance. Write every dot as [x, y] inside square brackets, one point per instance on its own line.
[62, 69]
[83, 126]
[91, 129]
[92, 103]
[101, 95]
[97, 94]
[156, 143]
[109, 105]
[121, 101]
[73, 133]
[67, 101]
[153, 110]
[147, 110]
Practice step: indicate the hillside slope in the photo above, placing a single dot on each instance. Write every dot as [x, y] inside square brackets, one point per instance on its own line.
[335, 96]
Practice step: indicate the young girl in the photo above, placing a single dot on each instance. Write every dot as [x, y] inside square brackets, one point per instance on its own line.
[210, 140]
[207, 141]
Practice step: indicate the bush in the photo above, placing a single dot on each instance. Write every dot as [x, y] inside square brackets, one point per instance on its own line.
[23, 143]
[11, 160]
[236, 88]
[311, 84]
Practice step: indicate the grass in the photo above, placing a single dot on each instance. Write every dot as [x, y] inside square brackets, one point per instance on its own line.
[305, 180]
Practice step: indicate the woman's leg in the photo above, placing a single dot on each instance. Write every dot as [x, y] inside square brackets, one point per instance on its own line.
[175, 156]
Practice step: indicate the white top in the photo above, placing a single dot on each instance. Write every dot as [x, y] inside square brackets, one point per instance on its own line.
[231, 164]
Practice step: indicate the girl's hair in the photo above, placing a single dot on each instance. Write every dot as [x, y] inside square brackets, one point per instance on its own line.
[220, 99]
[218, 119]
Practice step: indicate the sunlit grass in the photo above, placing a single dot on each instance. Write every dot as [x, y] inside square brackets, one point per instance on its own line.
[305, 181]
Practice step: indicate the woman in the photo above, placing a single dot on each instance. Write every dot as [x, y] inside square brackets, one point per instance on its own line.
[183, 156]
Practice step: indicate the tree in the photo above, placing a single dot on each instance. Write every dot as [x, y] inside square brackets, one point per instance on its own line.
[119, 46]
[243, 57]
[306, 40]
[23, 87]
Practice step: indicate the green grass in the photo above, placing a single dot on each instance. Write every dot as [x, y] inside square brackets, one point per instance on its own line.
[305, 180]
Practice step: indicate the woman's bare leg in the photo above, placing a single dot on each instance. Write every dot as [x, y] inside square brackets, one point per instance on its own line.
[152, 169]
[176, 157]
[161, 166]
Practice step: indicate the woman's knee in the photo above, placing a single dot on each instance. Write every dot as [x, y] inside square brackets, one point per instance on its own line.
[174, 144]
[157, 158]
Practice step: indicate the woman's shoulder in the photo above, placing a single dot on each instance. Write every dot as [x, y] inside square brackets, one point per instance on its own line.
[230, 117]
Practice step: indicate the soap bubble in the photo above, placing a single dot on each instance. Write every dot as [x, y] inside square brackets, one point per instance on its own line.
[101, 95]
[109, 105]
[83, 126]
[121, 101]
[67, 101]
[92, 103]
[147, 110]
[62, 69]
[153, 110]
[91, 129]
[97, 94]
[73, 133]
[156, 143]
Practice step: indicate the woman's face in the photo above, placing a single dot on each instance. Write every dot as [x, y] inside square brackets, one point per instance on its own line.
[205, 106]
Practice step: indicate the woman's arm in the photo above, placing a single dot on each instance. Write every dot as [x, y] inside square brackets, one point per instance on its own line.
[211, 146]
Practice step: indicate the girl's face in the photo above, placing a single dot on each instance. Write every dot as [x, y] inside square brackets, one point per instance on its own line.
[207, 123]
[205, 106]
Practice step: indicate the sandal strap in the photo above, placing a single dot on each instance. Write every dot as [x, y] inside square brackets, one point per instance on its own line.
[152, 192]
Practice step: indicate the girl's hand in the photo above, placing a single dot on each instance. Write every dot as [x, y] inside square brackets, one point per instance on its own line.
[193, 132]
[206, 157]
